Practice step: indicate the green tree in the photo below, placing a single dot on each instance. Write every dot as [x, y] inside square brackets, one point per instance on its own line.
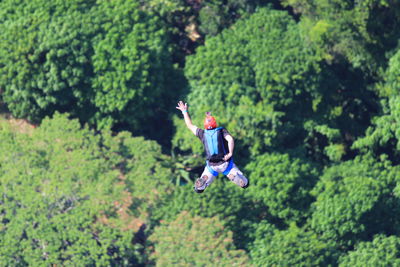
[195, 20]
[45, 54]
[58, 197]
[216, 15]
[358, 32]
[195, 241]
[392, 75]
[271, 88]
[132, 67]
[146, 172]
[291, 247]
[355, 200]
[254, 74]
[223, 200]
[383, 136]
[283, 184]
[107, 63]
[73, 197]
[381, 251]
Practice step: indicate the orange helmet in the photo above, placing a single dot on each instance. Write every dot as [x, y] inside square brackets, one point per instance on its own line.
[209, 122]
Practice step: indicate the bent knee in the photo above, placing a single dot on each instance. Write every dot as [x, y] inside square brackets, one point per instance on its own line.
[238, 179]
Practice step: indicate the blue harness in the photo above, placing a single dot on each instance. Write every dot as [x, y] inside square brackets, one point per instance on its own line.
[226, 172]
[212, 148]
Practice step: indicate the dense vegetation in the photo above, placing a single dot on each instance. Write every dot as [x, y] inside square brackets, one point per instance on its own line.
[309, 89]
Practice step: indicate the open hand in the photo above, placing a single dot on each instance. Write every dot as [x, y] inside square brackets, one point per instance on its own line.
[182, 107]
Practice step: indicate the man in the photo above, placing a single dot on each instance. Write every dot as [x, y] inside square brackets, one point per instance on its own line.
[218, 145]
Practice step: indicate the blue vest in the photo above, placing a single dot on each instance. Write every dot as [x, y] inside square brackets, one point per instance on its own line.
[214, 146]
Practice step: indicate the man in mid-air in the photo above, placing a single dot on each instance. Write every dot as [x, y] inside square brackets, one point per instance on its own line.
[218, 145]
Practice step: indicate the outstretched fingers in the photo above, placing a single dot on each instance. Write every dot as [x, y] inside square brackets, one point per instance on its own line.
[182, 106]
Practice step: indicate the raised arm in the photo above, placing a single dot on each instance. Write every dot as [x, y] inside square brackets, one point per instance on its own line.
[231, 146]
[184, 108]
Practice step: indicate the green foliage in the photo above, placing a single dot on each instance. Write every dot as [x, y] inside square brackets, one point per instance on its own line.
[131, 64]
[210, 16]
[383, 137]
[166, 8]
[358, 31]
[291, 247]
[195, 241]
[216, 15]
[69, 196]
[382, 251]
[355, 200]
[222, 199]
[392, 77]
[45, 54]
[57, 199]
[268, 85]
[254, 74]
[335, 150]
[296, 88]
[105, 62]
[147, 172]
[282, 184]
[182, 135]
[389, 88]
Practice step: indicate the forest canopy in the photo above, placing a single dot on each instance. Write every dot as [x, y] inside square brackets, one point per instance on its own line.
[103, 172]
